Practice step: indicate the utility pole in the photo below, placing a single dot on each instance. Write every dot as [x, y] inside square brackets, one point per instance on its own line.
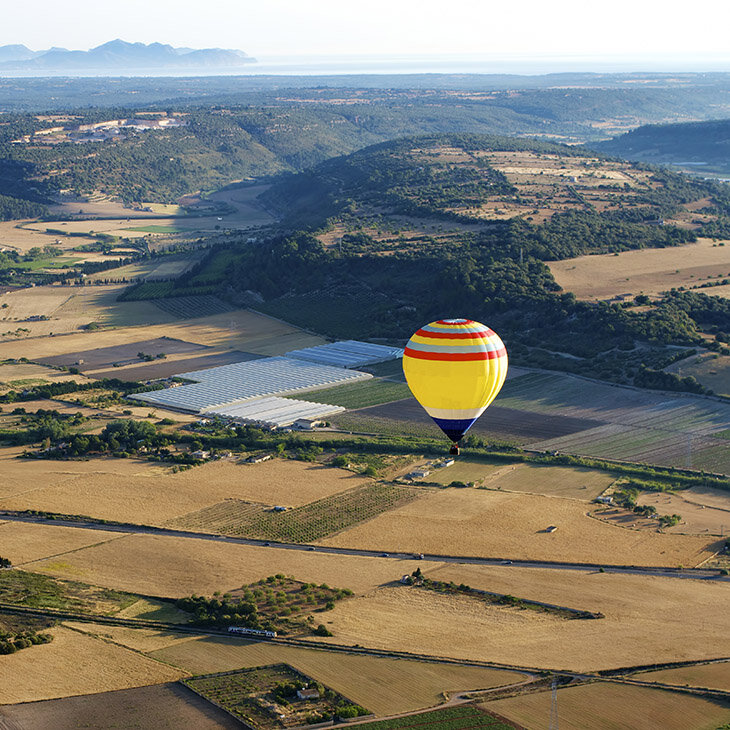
[554, 705]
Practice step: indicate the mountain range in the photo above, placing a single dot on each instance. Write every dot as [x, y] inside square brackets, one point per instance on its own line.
[119, 54]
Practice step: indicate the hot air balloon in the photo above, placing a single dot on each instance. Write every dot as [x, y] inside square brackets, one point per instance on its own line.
[455, 368]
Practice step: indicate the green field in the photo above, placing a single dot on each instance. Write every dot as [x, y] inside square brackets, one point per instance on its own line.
[35, 590]
[307, 523]
[360, 395]
[450, 718]
[157, 229]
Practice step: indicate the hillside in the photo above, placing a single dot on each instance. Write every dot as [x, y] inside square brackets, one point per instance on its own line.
[697, 145]
[419, 229]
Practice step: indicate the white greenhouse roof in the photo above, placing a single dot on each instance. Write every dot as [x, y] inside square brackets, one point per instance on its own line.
[242, 381]
[275, 412]
[347, 354]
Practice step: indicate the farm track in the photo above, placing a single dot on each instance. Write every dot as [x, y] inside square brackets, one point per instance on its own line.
[658, 571]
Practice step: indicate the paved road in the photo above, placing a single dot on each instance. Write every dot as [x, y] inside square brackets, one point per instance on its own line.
[663, 572]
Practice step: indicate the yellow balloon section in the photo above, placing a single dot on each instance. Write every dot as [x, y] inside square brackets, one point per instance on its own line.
[455, 368]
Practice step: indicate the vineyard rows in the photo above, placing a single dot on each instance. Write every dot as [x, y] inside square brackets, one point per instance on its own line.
[307, 523]
[195, 306]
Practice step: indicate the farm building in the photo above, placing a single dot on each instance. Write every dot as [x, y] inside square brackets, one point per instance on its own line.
[242, 381]
[347, 354]
[274, 412]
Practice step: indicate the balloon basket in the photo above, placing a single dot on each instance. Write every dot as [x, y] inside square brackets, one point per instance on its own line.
[454, 450]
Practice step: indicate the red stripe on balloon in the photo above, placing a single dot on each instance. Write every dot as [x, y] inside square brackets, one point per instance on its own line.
[455, 356]
[482, 334]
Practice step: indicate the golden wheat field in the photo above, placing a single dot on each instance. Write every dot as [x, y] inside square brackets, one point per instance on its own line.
[141, 640]
[165, 566]
[141, 492]
[413, 619]
[510, 525]
[640, 613]
[385, 686]
[23, 543]
[713, 676]
[74, 664]
[609, 705]
[647, 271]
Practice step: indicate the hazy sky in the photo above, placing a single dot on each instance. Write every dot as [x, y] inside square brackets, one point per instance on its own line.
[264, 28]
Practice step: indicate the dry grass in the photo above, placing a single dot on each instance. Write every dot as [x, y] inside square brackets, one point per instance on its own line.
[76, 664]
[710, 369]
[647, 619]
[501, 524]
[143, 492]
[23, 543]
[70, 308]
[647, 271]
[12, 372]
[607, 706]
[165, 566]
[552, 481]
[714, 676]
[385, 686]
[697, 519]
[141, 640]
[239, 330]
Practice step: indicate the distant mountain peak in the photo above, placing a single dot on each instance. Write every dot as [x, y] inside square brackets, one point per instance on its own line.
[119, 54]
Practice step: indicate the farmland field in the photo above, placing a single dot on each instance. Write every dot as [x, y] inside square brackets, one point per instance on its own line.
[697, 518]
[552, 481]
[305, 523]
[361, 395]
[645, 271]
[239, 329]
[164, 566]
[101, 357]
[709, 368]
[174, 365]
[383, 685]
[69, 308]
[713, 676]
[163, 707]
[166, 267]
[640, 612]
[407, 416]
[142, 492]
[638, 425]
[14, 374]
[513, 525]
[76, 664]
[195, 306]
[611, 705]
[23, 544]
[451, 718]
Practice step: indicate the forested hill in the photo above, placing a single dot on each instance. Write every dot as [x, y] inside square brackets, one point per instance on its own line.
[410, 231]
[583, 201]
[696, 142]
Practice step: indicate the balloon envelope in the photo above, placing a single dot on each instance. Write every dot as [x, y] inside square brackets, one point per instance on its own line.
[455, 368]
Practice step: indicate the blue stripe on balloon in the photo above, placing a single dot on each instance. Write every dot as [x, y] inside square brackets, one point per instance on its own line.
[454, 428]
